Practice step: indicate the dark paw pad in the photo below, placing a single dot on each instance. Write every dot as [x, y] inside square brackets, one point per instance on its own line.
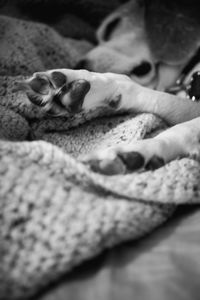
[115, 102]
[35, 99]
[77, 89]
[59, 79]
[155, 163]
[132, 160]
[40, 85]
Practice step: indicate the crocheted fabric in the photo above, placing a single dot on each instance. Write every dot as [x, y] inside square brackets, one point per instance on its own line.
[54, 212]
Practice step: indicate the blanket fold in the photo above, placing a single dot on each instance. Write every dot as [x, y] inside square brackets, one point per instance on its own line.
[54, 211]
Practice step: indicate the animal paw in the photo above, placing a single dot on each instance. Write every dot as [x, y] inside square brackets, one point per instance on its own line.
[146, 154]
[64, 91]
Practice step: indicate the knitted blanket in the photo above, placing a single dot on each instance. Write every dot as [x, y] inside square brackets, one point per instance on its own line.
[54, 212]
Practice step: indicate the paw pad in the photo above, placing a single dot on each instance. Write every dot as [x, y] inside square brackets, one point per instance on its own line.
[39, 85]
[59, 79]
[78, 90]
[51, 91]
[132, 160]
[114, 103]
[155, 163]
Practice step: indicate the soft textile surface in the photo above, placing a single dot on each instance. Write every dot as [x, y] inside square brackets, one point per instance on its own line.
[54, 212]
[161, 266]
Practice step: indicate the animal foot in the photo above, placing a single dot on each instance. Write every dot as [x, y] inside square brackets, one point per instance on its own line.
[64, 91]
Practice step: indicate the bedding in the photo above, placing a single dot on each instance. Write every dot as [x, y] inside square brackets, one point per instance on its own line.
[56, 214]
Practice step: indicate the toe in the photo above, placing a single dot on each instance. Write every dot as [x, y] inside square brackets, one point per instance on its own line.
[58, 78]
[155, 162]
[72, 97]
[132, 160]
[105, 166]
[38, 89]
[35, 99]
[78, 92]
[40, 85]
[111, 167]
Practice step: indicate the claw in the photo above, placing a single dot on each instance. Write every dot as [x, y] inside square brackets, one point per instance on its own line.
[20, 86]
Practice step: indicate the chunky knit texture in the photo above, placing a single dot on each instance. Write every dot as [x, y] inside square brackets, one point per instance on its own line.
[54, 212]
